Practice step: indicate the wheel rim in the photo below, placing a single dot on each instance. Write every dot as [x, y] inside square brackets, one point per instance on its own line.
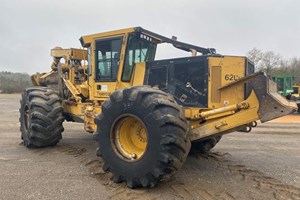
[26, 117]
[129, 138]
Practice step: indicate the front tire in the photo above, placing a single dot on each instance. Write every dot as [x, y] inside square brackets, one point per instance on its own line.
[41, 117]
[142, 136]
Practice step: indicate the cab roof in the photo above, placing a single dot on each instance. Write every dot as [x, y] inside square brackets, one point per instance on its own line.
[88, 39]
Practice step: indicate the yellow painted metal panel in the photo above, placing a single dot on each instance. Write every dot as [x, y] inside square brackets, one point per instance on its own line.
[223, 124]
[232, 69]
[75, 54]
[139, 74]
[216, 83]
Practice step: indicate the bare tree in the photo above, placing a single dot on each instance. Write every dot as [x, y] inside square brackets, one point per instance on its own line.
[255, 55]
[293, 66]
[270, 61]
[265, 61]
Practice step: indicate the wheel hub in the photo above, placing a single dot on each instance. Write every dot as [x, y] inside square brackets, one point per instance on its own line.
[129, 138]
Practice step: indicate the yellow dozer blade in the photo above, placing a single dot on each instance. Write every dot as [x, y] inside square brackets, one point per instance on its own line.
[263, 103]
[271, 104]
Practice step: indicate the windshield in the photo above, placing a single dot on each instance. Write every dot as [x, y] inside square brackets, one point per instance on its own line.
[140, 48]
[280, 84]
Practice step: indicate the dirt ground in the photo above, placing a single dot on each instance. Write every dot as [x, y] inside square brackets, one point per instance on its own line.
[263, 164]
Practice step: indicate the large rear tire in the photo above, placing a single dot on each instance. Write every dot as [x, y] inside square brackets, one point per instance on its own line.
[204, 146]
[41, 117]
[143, 136]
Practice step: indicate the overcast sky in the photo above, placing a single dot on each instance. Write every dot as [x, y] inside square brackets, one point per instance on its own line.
[30, 28]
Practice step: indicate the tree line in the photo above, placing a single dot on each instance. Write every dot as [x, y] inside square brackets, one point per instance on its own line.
[11, 82]
[273, 64]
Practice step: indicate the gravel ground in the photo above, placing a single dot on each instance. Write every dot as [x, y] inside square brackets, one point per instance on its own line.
[263, 164]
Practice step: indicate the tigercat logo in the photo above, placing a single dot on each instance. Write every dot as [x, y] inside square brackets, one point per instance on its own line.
[103, 94]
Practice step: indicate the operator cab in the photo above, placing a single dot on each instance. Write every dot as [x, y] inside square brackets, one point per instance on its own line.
[115, 56]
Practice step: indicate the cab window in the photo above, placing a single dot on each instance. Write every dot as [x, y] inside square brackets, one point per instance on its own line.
[140, 48]
[107, 52]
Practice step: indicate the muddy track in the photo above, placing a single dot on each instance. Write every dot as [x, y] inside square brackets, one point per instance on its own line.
[259, 180]
[261, 165]
[185, 184]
